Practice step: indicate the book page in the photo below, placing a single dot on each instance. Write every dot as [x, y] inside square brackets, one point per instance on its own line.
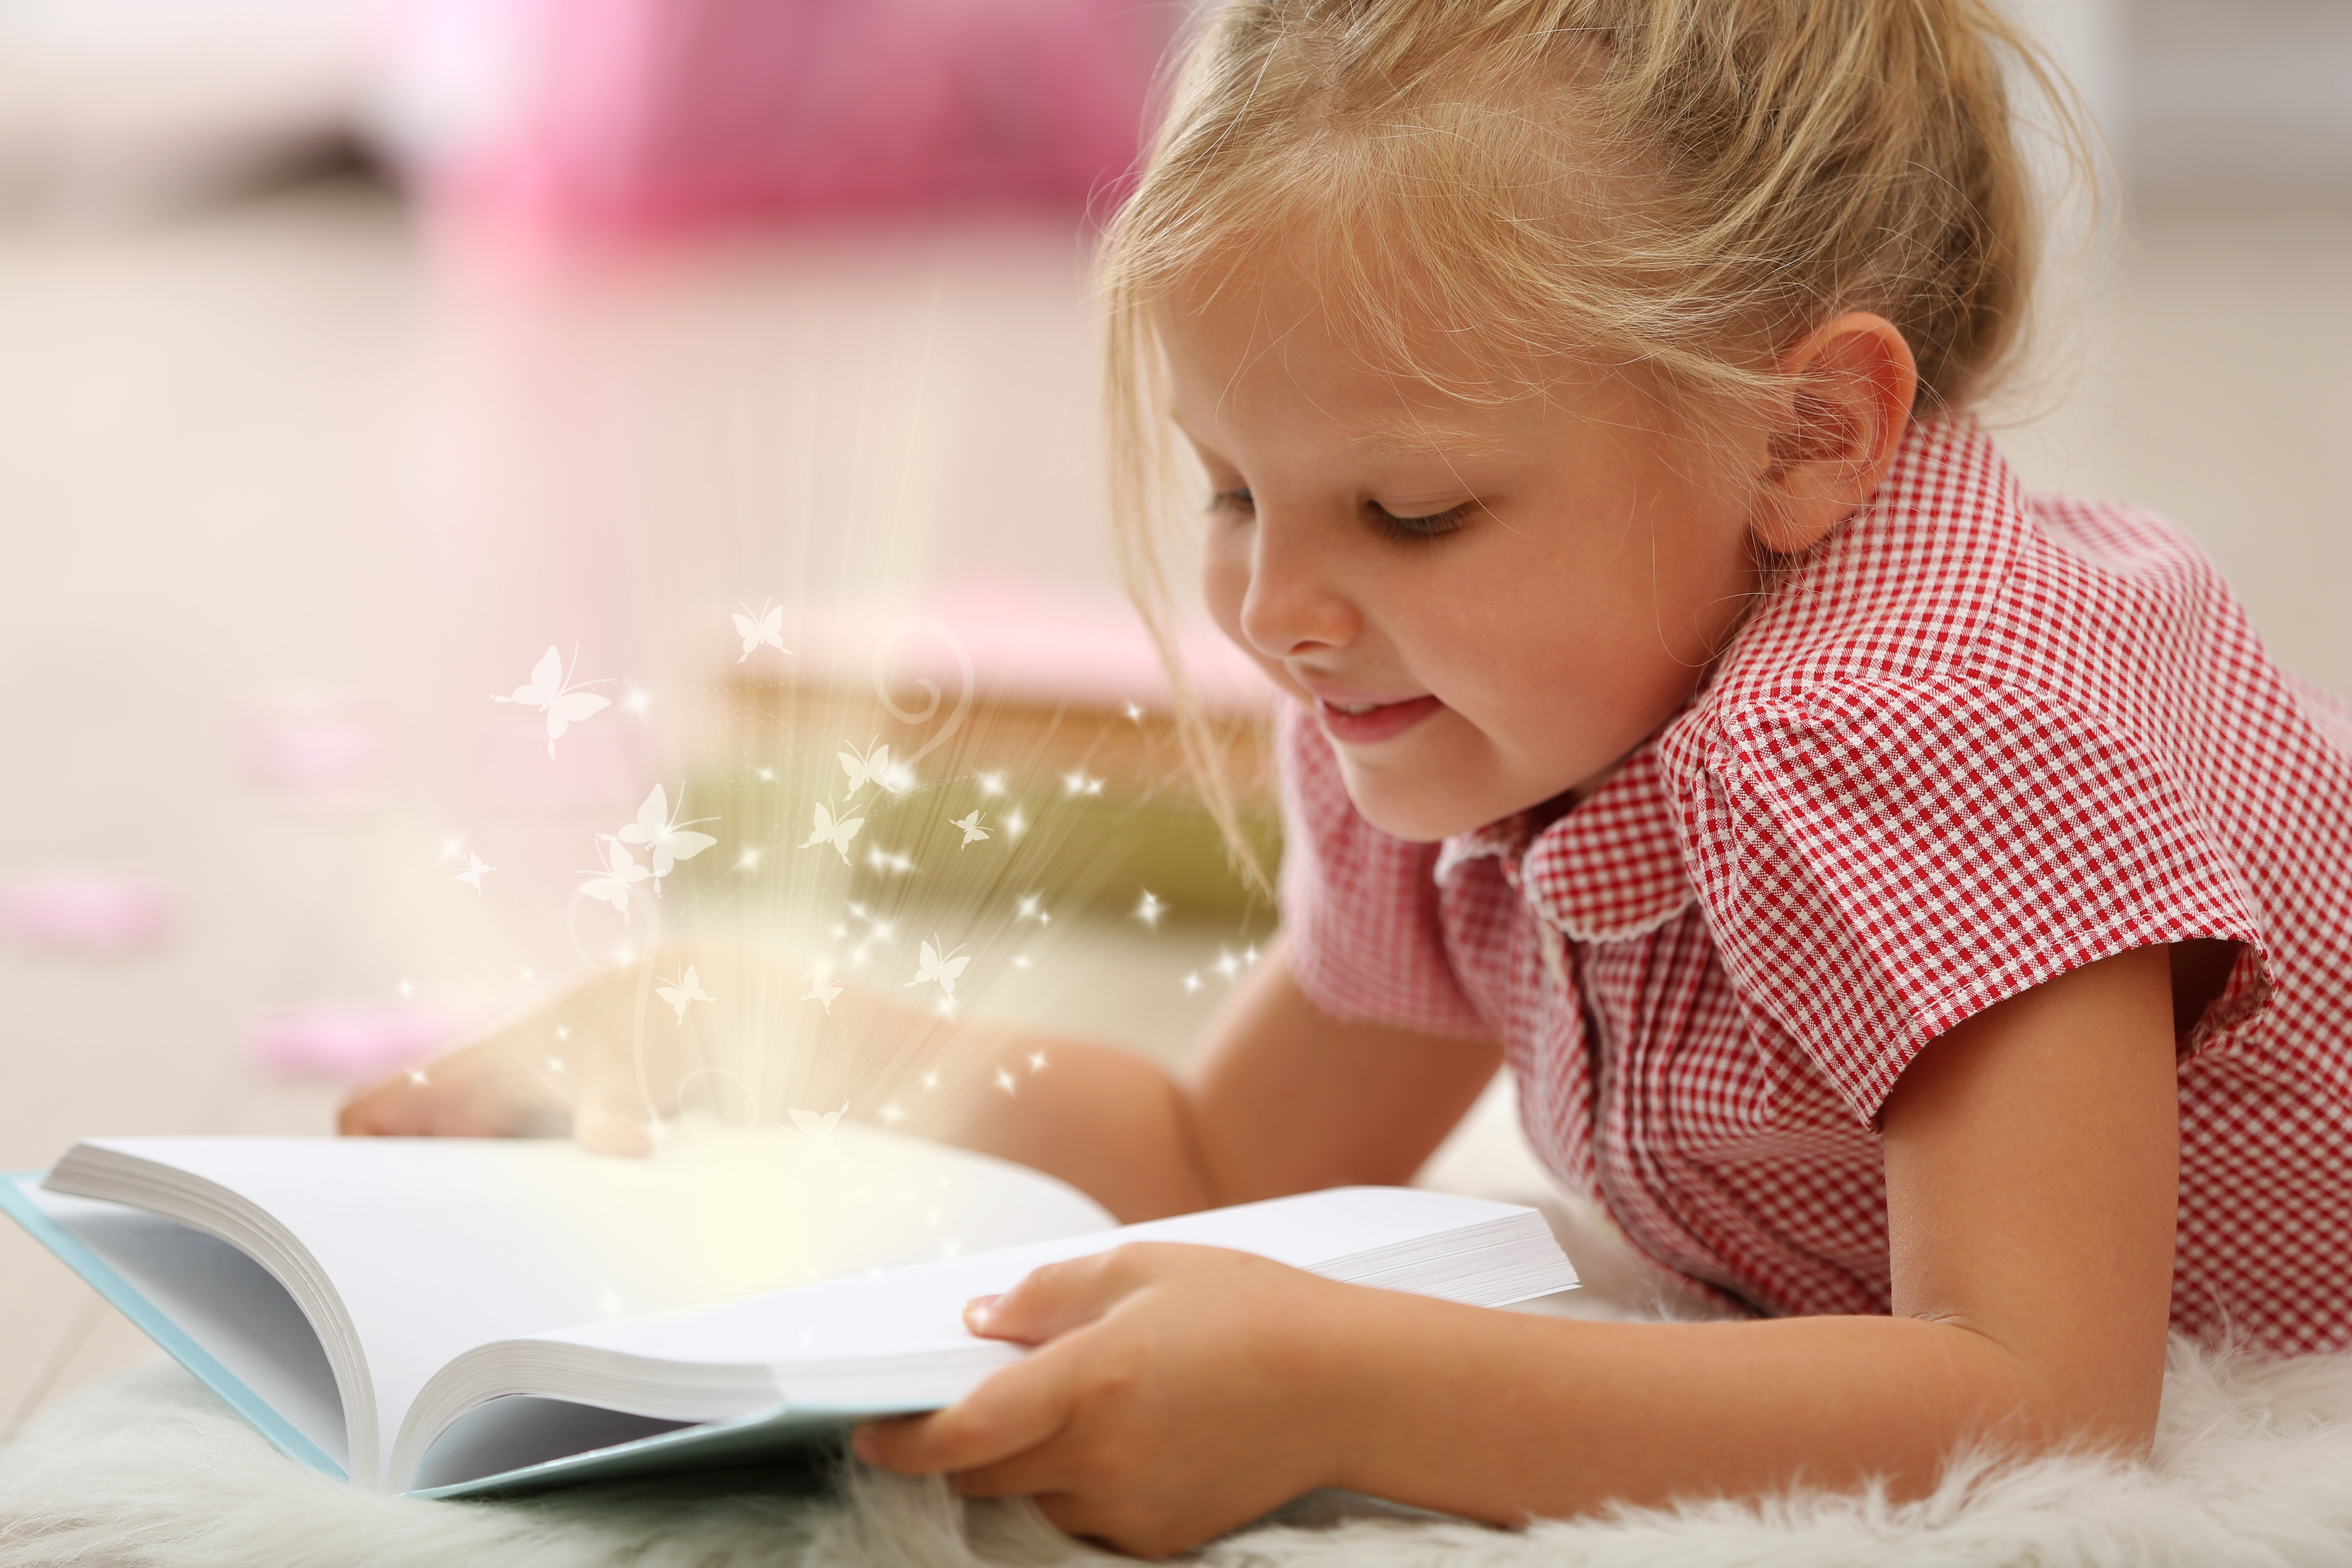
[914, 1315]
[224, 1302]
[438, 1244]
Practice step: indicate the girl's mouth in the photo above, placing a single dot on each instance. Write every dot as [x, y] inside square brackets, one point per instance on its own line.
[1362, 723]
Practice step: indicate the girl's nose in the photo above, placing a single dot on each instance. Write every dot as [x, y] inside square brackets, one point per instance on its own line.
[1297, 602]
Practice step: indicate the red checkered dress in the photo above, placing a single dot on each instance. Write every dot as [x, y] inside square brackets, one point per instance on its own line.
[1974, 741]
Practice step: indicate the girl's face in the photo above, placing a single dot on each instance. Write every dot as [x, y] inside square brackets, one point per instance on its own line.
[1485, 605]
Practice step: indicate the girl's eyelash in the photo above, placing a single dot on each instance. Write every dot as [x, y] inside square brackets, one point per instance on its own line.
[1436, 525]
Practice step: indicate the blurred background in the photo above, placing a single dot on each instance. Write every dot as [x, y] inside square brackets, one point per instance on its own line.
[356, 356]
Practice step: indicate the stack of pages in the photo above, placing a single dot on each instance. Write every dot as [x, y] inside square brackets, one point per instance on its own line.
[451, 1316]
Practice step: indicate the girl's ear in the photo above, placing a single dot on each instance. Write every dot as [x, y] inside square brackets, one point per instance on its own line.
[1851, 384]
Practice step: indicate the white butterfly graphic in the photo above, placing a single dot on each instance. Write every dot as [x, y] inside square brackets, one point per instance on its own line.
[551, 693]
[972, 831]
[838, 833]
[820, 992]
[872, 768]
[823, 1134]
[658, 829]
[767, 627]
[472, 875]
[678, 993]
[620, 873]
[941, 966]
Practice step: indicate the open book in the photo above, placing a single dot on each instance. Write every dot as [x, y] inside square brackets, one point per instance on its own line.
[451, 1316]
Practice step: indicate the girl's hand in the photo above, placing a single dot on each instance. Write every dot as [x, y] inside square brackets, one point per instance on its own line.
[502, 1087]
[567, 1068]
[1181, 1391]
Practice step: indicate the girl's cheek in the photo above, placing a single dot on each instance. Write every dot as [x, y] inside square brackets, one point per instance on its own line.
[1224, 583]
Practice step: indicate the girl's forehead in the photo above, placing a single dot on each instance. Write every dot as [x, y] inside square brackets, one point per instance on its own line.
[1315, 311]
[1262, 343]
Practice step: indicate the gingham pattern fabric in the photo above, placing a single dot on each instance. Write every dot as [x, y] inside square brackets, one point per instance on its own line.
[1972, 741]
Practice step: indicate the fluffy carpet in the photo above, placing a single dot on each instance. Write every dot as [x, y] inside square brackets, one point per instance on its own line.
[2253, 1466]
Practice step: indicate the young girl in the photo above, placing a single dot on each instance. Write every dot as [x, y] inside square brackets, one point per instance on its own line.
[1918, 911]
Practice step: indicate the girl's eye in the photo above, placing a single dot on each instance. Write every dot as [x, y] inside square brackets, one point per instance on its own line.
[1436, 525]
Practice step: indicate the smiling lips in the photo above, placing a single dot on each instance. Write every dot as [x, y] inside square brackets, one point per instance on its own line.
[1361, 723]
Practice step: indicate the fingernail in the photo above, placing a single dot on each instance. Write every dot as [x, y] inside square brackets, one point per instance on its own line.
[978, 1308]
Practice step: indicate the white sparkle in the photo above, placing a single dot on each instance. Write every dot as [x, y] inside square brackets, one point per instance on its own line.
[930, 1081]
[563, 1031]
[451, 848]
[1149, 908]
[417, 1076]
[406, 988]
[891, 1114]
[555, 1064]
[1036, 1061]
[1005, 1081]
[1134, 713]
[1015, 825]
[767, 776]
[638, 701]
[1022, 961]
[880, 930]
[748, 859]
[1227, 965]
[528, 976]
[626, 954]
[1078, 781]
[1031, 908]
[1191, 983]
[992, 784]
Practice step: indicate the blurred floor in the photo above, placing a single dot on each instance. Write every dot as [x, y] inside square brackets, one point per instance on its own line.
[275, 449]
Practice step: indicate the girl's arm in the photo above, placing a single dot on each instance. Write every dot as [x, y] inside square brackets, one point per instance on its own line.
[1278, 1098]
[2031, 1180]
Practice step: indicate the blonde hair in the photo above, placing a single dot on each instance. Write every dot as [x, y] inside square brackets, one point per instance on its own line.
[1680, 188]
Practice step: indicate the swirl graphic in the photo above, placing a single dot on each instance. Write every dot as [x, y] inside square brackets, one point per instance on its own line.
[911, 626]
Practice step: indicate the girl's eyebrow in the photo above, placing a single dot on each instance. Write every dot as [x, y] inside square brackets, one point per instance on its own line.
[1420, 438]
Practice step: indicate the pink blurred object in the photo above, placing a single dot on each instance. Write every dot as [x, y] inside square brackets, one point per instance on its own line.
[631, 117]
[86, 912]
[351, 1040]
[600, 762]
[1032, 641]
[322, 749]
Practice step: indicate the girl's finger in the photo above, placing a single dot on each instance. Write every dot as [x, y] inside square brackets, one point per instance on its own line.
[1052, 1300]
[1013, 1412]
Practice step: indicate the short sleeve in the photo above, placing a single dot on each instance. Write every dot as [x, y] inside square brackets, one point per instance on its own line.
[1880, 861]
[1359, 907]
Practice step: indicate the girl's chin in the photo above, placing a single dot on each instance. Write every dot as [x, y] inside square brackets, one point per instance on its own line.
[1418, 811]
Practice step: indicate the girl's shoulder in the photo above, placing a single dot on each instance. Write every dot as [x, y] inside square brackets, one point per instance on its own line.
[1956, 577]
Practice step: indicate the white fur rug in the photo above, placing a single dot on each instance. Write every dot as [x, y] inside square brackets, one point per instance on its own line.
[2253, 1467]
